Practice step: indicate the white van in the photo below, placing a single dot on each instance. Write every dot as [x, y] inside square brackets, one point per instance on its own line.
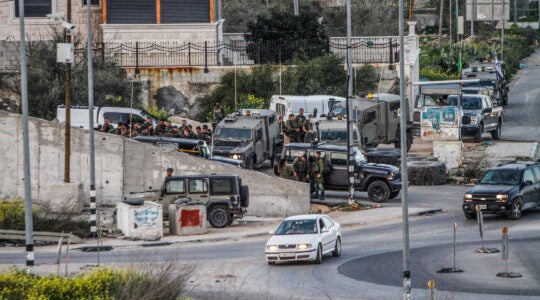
[284, 105]
[80, 115]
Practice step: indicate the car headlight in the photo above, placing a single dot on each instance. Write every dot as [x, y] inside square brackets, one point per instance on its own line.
[303, 246]
[236, 156]
[502, 197]
[271, 247]
[390, 176]
[468, 197]
[474, 120]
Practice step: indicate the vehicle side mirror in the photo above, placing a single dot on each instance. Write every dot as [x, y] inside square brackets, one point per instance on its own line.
[271, 232]
[476, 181]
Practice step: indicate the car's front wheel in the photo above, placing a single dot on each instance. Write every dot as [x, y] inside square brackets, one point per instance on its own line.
[378, 191]
[318, 258]
[516, 211]
[219, 216]
[337, 248]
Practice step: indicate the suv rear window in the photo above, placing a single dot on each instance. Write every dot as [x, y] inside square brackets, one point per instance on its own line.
[221, 186]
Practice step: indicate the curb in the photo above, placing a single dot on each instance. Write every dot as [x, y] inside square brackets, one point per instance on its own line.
[428, 212]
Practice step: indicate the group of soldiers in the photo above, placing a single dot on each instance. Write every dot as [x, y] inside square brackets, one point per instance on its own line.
[163, 128]
[305, 170]
[298, 129]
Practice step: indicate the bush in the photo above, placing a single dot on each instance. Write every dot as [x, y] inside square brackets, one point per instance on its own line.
[12, 217]
[161, 281]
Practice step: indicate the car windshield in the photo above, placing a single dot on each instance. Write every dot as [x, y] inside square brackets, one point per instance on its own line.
[336, 135]
[502, 177]
[291, 154]
[288, 227]
[359, 156]
[472, 103]
[233, 134]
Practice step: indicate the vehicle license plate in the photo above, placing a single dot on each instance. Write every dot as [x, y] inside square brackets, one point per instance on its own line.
[288, 254]
[482, 206]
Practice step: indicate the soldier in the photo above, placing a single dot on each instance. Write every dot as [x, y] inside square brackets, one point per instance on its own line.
[284, 170]
[183, 125]
[309, 130]
[161, 128]
[300, 168]
[218, 113]
[301, 120]
[293, 129]
[148, 127]
[317, 169]
[107, 127]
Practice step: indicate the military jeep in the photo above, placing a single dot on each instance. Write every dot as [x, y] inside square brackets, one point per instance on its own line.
[223, 195]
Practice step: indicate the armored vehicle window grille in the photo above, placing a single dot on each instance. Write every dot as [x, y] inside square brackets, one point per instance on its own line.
[370, 117]
[197, 186]
[292, 154]
[175, 187]
[221, 187]
[338, 159]
[114, 117]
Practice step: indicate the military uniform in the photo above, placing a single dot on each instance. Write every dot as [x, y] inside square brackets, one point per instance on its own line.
[300, 167]
[160, 129]
[285, 171]
[317, 170]
[218, 114]
[293, 130]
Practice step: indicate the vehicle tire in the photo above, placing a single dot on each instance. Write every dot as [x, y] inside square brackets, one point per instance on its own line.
[410, 138]
[337, 248]
[378, 191]
[219, 216]
[469, 216]
[393, 195]
[426, 172]
[516, 211]
[244, 196]
[496, 134]
[478, 136]
[389, 156]
[250, 163]
[318, 258]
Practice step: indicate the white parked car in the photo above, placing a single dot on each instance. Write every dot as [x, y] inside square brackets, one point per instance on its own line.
[304, 237]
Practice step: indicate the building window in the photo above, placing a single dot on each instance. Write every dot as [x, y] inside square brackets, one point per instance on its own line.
[92, 2]
[34, 8]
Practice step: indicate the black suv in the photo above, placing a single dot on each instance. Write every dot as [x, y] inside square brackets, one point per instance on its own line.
[382, 182]
[507, 189]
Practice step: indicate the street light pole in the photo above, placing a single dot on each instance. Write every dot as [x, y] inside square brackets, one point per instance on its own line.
[67, 142]
[93, 206]
[350, 152]
[503, 17]
[28, 221]
[404, 177]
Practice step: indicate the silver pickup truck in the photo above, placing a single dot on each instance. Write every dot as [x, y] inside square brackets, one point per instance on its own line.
[479, 116]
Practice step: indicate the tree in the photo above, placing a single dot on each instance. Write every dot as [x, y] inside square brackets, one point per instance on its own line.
[281, 36]
[47, 87]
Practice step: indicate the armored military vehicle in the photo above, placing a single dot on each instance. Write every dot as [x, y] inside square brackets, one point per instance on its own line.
[251, 135]
[377, 117]
[491, 76]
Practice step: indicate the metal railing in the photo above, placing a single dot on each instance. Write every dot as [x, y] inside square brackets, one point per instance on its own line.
[240, 52]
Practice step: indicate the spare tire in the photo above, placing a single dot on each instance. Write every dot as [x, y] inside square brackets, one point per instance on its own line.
[389, 156]
[133, 201]
[426, 172]
[244, 196]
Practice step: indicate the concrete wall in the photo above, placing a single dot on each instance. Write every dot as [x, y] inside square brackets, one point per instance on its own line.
[122, 166]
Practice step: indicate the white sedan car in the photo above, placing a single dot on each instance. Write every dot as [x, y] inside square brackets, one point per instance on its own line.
[304, 237]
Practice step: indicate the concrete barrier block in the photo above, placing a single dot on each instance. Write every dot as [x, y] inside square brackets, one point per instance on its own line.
[449, 152]
[142, 222]
[187, 219]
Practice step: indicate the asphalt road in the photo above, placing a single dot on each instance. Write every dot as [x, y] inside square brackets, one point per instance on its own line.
[522, 121]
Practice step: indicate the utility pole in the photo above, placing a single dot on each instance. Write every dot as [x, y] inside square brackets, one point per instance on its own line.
[67, 146]
[28, 221]
[502, 30]
[404, 177]
[449, 20]
[441, 9]
[93, 207]
[411, 8]
[296, 7]
[350, 152]
[473, 16]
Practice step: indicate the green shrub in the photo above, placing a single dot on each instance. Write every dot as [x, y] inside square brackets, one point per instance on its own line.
[12, 217]
[163, 281]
